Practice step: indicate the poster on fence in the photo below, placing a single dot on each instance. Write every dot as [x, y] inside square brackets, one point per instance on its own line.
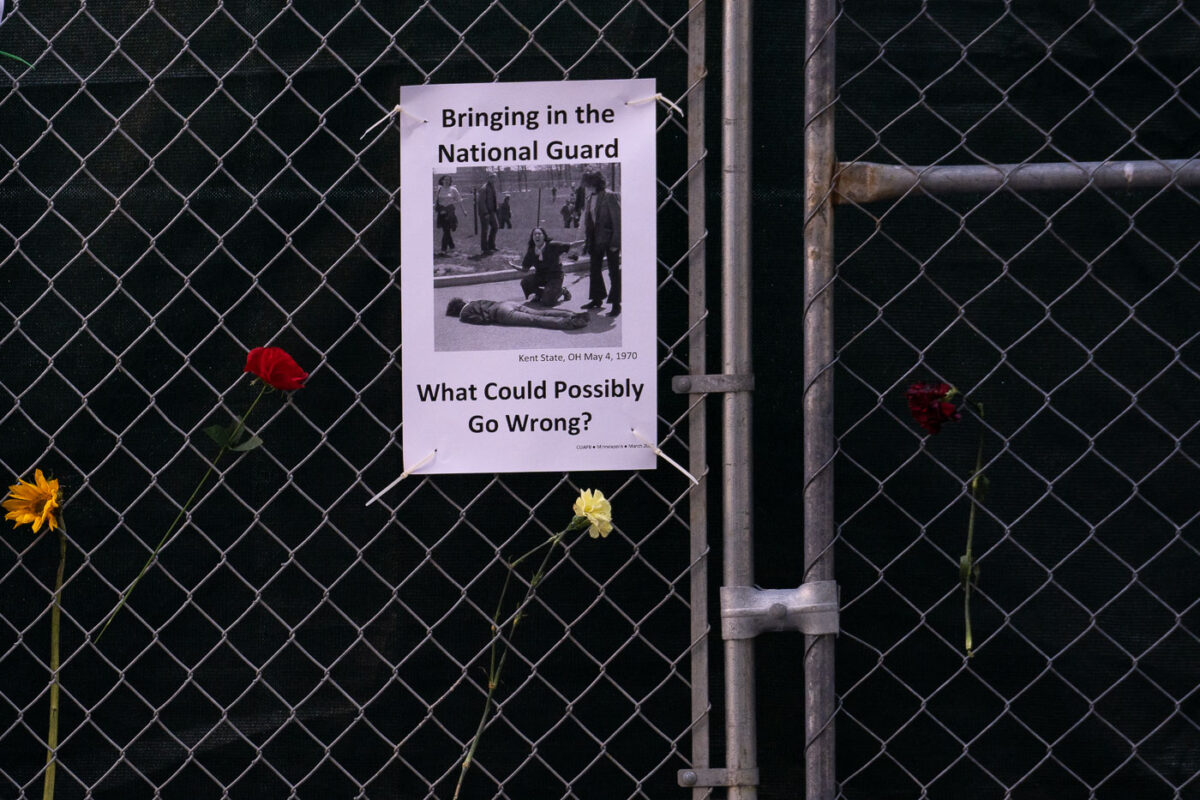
[528, 276]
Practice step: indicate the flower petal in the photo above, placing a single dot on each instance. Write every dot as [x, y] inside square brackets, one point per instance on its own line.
[275, 367]
[34, 504]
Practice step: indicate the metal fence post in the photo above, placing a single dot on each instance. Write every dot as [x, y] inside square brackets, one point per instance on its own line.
[819, 445]
[698, 417]
[735, 338]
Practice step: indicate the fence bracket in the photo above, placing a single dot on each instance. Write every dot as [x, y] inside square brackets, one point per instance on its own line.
[717, 777]
[711, 384]
[747, 611]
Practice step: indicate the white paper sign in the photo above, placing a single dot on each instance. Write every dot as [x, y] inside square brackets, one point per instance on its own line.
[528, 276]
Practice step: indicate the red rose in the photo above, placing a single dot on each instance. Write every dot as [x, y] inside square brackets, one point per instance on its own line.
[929, 407]
[274, 366]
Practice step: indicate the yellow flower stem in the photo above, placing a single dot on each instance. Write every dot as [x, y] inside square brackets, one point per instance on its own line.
[55, 630]
[495, 666]
[967, 566]
[237, 431]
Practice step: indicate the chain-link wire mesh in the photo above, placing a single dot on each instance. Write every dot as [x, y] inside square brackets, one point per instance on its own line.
[1072, 317]
[188, 182]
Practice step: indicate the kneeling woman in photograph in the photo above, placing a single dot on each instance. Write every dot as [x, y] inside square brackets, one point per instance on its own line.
[510, 312]
[545, 284]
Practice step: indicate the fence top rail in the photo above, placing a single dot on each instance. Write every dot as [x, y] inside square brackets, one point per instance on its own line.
[867, 182]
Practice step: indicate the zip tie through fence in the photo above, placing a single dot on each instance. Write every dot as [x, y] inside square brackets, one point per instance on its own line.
[403, 475]
[661, 99]
[399, 109]
[658, 452]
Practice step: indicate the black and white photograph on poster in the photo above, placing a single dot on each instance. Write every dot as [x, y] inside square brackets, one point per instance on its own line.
[529, 282]
[547, 273]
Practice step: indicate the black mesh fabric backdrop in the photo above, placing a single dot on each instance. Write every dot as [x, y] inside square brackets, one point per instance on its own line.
[187, 181]
[1073, 317]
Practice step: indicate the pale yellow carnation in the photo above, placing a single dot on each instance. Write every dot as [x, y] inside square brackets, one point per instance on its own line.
[597, 510]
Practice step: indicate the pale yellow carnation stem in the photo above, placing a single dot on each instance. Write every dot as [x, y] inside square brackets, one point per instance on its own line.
[495, 665]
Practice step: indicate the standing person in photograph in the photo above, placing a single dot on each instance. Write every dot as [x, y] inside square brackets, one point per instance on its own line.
[505, 212]
[445, 198]
[602, 240]
[580, 196]
[568, 213]
[546, 281]
[488, 216]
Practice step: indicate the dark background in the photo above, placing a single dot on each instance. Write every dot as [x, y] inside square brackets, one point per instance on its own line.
[188, 182]
[1072, 317]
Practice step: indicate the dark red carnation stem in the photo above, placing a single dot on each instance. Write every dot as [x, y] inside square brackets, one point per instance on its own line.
[968, 560]
[195, 492]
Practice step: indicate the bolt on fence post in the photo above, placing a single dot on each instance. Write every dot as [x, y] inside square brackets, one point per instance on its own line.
[738, 551]
[819, 443]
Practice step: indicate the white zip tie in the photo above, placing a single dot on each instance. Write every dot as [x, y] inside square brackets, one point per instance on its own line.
[658, 452]
[659, 97]
[399, 109]
[403, 475]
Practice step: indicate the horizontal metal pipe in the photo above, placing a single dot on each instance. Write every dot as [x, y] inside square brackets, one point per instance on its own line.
[866, 182]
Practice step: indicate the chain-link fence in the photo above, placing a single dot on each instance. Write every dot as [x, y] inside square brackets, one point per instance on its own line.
[1065, 302]
[187, 181]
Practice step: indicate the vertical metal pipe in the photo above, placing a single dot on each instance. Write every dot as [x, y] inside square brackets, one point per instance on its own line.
[698, 417]
[819, 444]
[738, 552]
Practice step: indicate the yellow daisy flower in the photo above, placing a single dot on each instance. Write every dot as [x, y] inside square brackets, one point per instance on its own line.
[33, 503]
[597, 510]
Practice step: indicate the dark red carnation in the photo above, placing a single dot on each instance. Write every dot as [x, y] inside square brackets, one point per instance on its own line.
[274, 366]
[929, 407]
